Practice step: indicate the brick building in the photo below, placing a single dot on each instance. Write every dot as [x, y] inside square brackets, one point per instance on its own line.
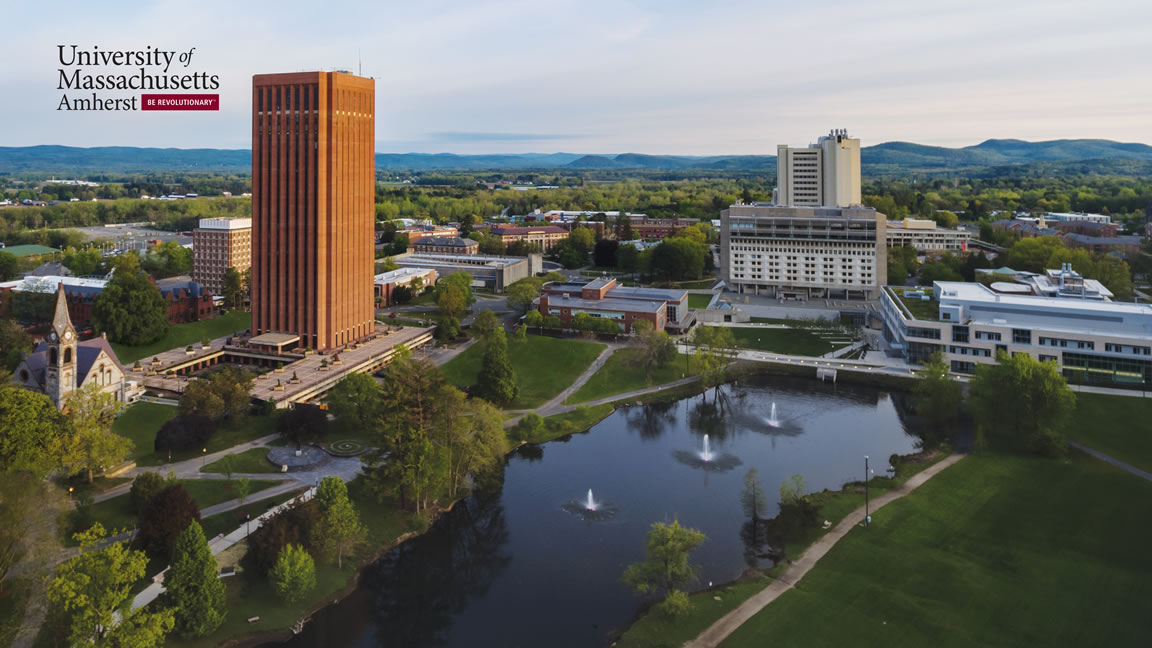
[387, 282]
[445, 245]
[187, 300]
[604, 298]
[313, 214]
[654, 229]
[545, 236]
[219, 244]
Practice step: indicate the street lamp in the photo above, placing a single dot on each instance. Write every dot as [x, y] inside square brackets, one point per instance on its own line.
[205, 455]
[867, 517]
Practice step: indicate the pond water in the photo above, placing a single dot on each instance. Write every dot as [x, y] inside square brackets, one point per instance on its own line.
[524, 567]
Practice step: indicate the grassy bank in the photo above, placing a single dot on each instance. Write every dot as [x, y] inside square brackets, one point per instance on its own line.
[544, 366]
[655, 630]
[250, 595]
[181, 335]
[787, 341]
[1119, 426]
[620, 374]
[993, 551]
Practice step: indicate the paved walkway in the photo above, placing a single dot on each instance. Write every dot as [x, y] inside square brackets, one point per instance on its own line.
[720, 630]
[1143, 474]
[556, 405]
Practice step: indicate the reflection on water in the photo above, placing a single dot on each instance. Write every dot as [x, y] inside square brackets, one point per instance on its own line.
[516, 569]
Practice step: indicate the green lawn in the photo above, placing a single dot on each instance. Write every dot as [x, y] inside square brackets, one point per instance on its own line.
[997, 551]
[226, 436]
[544, 366]
[620, 375]
[181, 335]
[787, 341]
[254, 460]
[920, 309]
[140, 422]
[228, 521]
[1119, 426]
[249, 594]
[699, 300]
[117, 513]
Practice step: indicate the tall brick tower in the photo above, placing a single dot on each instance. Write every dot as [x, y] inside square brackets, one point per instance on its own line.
[313, 206]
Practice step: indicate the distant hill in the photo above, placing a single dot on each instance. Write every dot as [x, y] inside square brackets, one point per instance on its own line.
[890, 158]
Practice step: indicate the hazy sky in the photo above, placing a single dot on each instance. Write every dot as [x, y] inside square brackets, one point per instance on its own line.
[591, 76]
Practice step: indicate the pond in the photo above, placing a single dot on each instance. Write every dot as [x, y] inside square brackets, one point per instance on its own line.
[526, 567]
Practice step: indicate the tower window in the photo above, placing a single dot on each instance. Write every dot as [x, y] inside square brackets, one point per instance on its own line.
[67, 355]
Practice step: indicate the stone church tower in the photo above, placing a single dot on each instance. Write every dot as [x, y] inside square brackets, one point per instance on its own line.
[60, 373]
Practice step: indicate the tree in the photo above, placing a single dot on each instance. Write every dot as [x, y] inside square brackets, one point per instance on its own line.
[165, 517]
[447, 328]
[29, 509]
[937, 392]
[752, 498]
[401, 294]
[604, 253]
[339, 530]
[242, 488]
[14, 343]
[463, 282]
[520, 295]
[94, 592]
[31, 436]
[530, 426]
[627, 258]
[1021, 404]
[451, 300]
[937, 271]
[223, 394]
[675, 259]
[665, 567]
[292, 525]
[226, 466]
[294, 573]
[144, 488]
[533, 318]
[655, 348]
[472, 440]
[497, 382]
[797, 509]
[192, 586]
[485, 322]
[91, 444]
[9, 266]
[130, 309]
[303, 423]
[232, 289]
[184, 433]
[355, 402]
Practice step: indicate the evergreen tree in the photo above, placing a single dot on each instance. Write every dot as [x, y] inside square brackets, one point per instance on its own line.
[192, 586]
[497, 381]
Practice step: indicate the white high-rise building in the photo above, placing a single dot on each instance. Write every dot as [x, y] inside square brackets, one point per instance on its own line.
[825, 174]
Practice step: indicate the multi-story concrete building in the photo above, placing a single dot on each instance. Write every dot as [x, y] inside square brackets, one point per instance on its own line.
[925, 236]
[803, 252]
[544, 235]
[1068, 217]
[826, 173]
[219, 244]
[313, 191]
[1093, 340]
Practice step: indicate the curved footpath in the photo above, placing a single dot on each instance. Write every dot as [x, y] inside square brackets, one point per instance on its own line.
[727, 624]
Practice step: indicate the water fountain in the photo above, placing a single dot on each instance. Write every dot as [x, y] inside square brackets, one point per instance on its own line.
[772, 420]
[589, 510]
[706, 454]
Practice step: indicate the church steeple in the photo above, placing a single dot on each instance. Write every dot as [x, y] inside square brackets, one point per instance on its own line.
[60, 374]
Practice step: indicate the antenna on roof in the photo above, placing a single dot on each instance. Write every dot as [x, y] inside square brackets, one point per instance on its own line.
[359, 63]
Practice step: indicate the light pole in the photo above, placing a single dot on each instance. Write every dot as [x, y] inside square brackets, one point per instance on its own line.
[867, 517]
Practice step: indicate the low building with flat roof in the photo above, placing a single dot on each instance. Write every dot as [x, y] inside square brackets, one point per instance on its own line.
[1093, 341]
[387, 282]
[492, 273]
[663, 307]
[926, 236]
[446, 245]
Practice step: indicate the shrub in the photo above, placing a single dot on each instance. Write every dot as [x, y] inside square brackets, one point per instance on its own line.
[184, 433]
[165, 518]
[676, 604]
[303, 423]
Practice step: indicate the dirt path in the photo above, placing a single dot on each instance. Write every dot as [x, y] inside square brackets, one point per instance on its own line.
[727, 624]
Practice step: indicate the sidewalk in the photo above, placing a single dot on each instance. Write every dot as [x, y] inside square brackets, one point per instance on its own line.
[727, 624]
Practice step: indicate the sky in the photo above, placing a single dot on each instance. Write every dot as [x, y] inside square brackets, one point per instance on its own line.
[614, 76]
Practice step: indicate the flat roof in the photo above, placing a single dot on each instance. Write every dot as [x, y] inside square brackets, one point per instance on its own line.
[274, 339]
[637, 292]
[51, 283]
[631, 305]
[401, 273]
[455, 260]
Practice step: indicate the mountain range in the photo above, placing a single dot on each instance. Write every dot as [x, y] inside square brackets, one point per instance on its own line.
[889, 158]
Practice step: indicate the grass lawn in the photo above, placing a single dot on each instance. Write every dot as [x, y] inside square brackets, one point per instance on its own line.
[544, 366]
[620, 375]
[117, 513]
[1115, 425]
[226, 436]
[228, 521]
[789, 341]
[993, 551]
[181, 335]
[140, 422]
[249, 594]
[699, 300]
[920, 309]
[254, 460]
[654, 630]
